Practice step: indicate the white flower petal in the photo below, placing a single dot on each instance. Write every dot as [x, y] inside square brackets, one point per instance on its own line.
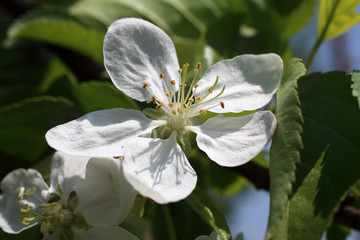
[66, 170]
[136, 51]
[10, 205]
[232, 141]
[251, 81]
[105, 197]
[101, 133]
[158, 169]
[108, 233]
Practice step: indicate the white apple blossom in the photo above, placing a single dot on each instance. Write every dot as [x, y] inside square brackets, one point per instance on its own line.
[142, 62]
[89, 204]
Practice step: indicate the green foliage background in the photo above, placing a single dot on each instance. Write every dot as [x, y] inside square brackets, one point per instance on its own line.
[51, 71]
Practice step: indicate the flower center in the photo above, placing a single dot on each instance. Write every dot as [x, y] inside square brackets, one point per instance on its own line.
[180, 106]
[51, 215]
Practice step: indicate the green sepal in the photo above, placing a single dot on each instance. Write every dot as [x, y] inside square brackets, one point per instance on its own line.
[154, 114]
[137, 209]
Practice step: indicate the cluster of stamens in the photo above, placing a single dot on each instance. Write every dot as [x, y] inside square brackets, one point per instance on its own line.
[182, 106]
[52, 214]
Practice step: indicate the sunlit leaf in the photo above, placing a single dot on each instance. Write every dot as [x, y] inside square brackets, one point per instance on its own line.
[336, 16]
[286, 144]
[355, 77]
[58, 28]
[180, 19]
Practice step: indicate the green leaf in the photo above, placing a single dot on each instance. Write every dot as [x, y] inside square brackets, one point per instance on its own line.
[337, 232]
[31, 233]
[297, 19]
[23, 125]
[286, 144]
[96, 95]
[355, 77]
[184, 20]
[336, 16]
[59, 28]
[330, 162]
[203, 205]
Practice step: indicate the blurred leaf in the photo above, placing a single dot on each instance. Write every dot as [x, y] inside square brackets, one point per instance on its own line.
[297, 19]
[337, 232]
[224, 39]
[336, 16]
[96, 95]
[58, 28]
[204, 206]
[226, 186]
[23, 125]
[29, 71]
[330, 162]
[188, 225]
[285, 147]
[355, 77]
[180, 19]
[31, 233]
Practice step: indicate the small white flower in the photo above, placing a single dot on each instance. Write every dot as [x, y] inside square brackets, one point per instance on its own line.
[141, 61]
[102, 199]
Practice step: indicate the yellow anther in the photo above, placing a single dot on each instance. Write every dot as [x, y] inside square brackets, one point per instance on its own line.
[202, 111]
[27, 220]
[21, 193]
[172, 82]
[182, 85]
[145, 85]
[119, 157]
[196, 85]
[180, 70]
[30, 192]
[153, 99]
[191, 100]
[210, 89]
[168, 93]
[25, 209]
[222, 104]
[185, 106]
[171, 104]
[159, 106]
[60, 189]
[179, 110]
[161, 75]
[173, 112]
[198, 65]
[198, 98]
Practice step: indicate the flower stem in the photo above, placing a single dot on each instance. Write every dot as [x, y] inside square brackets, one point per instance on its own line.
[169, 222]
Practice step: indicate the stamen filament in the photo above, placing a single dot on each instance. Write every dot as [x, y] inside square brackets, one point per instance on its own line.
[185, 67]
[200, 103]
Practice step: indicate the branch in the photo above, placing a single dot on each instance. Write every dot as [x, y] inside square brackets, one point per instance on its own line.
[347, 214]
